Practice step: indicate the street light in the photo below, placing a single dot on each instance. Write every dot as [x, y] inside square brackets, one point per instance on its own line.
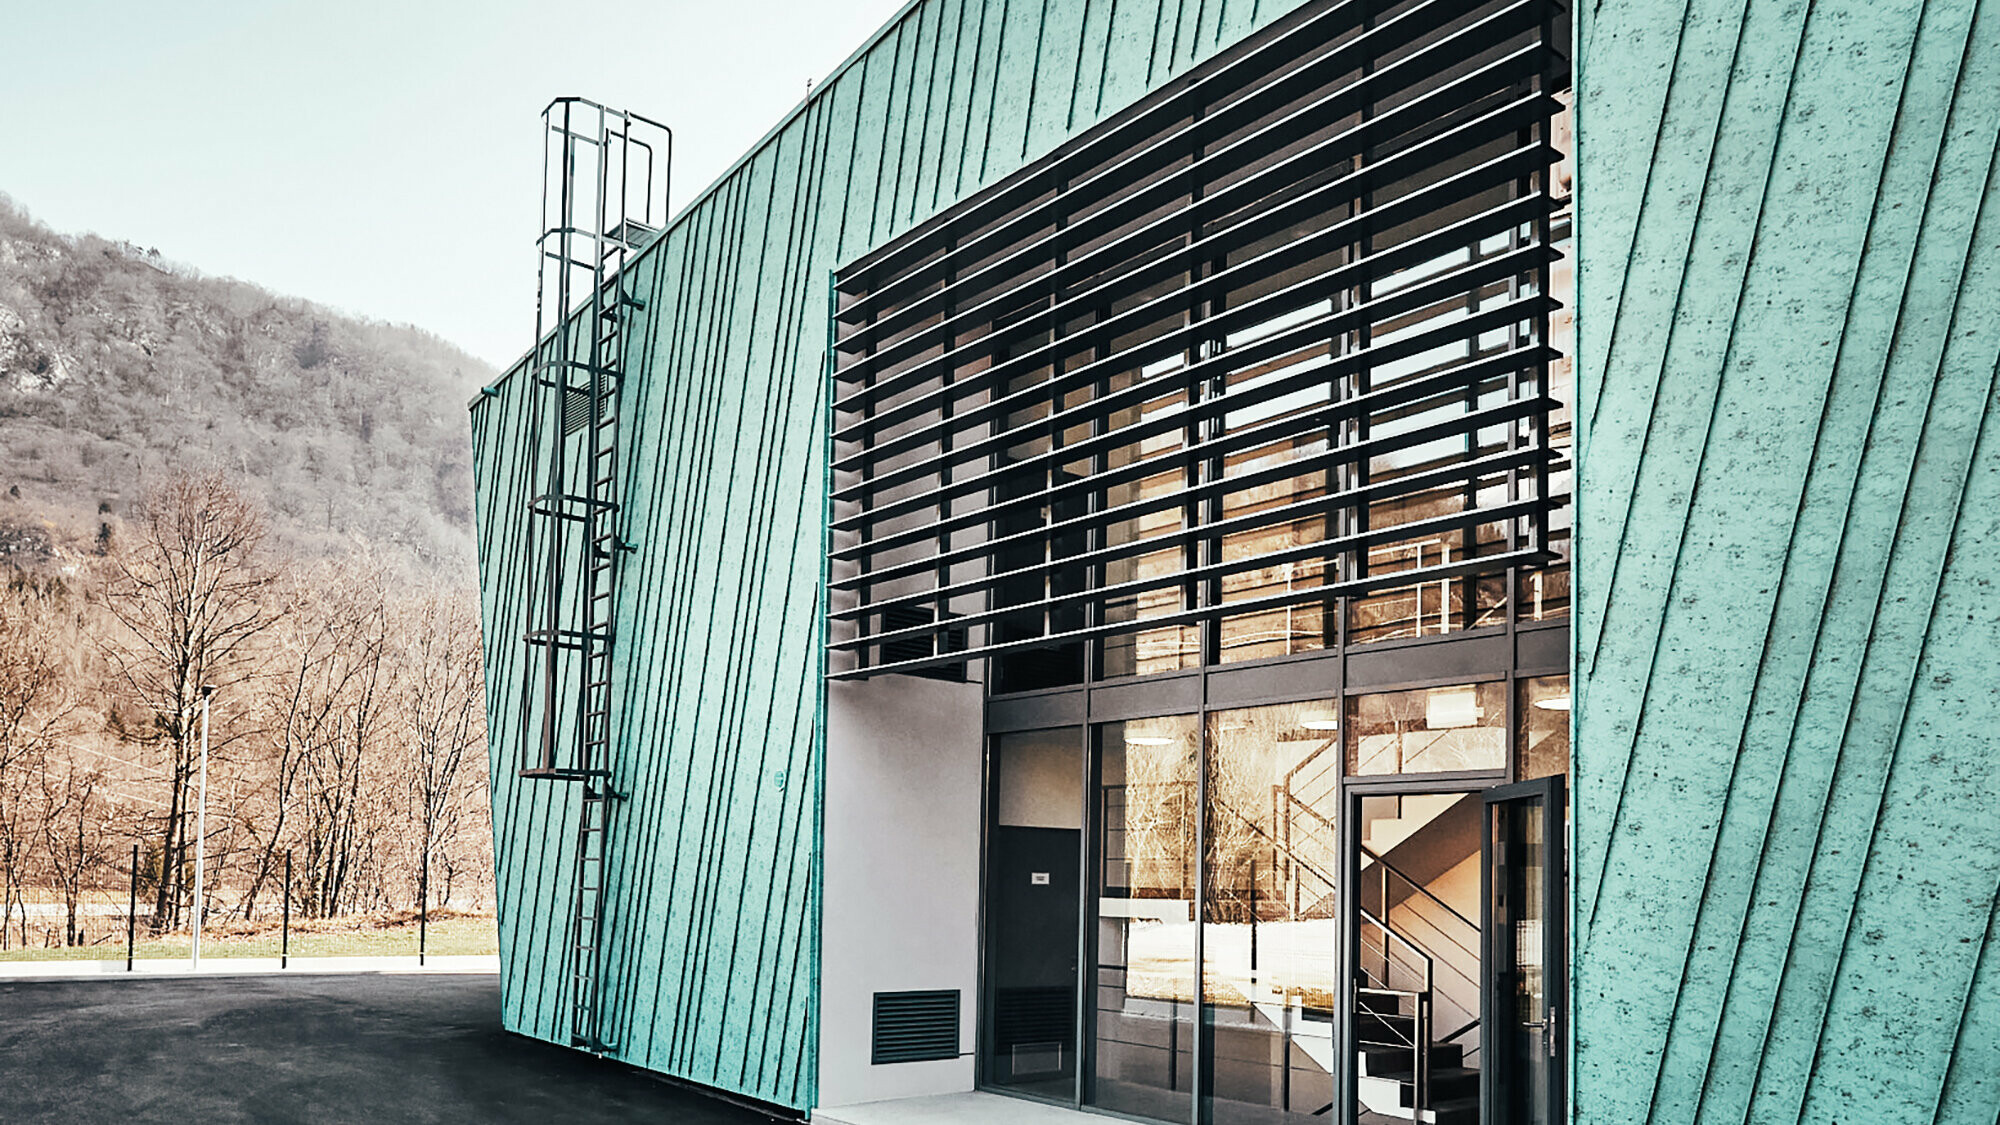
[201, 825]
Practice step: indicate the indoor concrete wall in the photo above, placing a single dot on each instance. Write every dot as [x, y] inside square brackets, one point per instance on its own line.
[904, 772]
[1787, 816]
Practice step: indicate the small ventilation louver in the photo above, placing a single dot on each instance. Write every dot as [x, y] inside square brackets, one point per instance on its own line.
[1033, 1016]
[576, 409]
[915, 1026]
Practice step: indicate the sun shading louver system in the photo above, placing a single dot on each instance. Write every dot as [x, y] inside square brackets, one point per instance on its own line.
[1280, 336]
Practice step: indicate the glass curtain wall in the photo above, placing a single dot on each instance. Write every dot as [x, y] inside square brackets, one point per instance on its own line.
[1208, 921]
[1541, 745]
[1270, 927]
[1449, 729]
[1148, 812]
[1271, 348]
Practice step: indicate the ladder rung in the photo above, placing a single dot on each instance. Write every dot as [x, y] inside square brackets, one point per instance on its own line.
[573, 263]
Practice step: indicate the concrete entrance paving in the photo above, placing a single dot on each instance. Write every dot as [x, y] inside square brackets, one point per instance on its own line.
[954, 1109]
[275, 1050]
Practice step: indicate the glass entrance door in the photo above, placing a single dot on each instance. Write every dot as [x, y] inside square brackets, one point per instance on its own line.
[1525, 962]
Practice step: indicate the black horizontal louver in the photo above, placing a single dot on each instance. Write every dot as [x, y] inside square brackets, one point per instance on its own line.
[1277, 338]
[919, 648]
[915, 1026]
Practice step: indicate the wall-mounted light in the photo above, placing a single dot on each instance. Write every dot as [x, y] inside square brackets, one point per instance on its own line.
[1553, 703]
[1320, 722]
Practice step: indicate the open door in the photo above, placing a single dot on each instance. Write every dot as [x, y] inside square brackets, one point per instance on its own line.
[1525, 961]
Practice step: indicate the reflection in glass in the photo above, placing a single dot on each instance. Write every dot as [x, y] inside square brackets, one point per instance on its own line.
[1544, 592]
[1524, 1076]
[1429, 730]
[1541, 746]
[1154, 516]
[1270, 930]
[1291, 500]
[1530, 974]
[1145, 981]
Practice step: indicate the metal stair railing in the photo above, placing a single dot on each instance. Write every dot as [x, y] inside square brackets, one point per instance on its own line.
[1419, 1039]
[1387, 869]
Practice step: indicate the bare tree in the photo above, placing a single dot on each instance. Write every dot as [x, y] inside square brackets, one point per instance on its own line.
[76, 832]
[310, 676]
[189, 589]
[36, 693]
[444, 702]
[341, 782]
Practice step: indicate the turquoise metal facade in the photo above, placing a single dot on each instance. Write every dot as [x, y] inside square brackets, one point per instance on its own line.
[710, 907]
[1786, 852]
[1786, 811]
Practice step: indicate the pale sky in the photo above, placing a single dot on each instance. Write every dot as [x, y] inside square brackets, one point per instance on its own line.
[377, 156]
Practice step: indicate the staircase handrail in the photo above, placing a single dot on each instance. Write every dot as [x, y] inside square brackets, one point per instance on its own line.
[1420, 1034]
[1369, 917]
[1416, 886]
[1454, 969]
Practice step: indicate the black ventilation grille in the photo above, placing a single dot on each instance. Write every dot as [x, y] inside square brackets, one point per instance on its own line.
[576, 409]
[1028, 1016]
[915, 1026]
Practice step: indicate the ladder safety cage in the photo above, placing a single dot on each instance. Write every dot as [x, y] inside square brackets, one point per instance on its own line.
[605, 179]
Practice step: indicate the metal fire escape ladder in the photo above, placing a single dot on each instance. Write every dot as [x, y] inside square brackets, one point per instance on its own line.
[601, 202]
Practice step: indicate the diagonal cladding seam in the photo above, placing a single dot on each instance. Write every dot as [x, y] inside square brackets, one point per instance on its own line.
[718, 803]
[639, 511]
[1963, 475]
[1706, 909]
[1589, 607]
[784, 365]
[688, 460]
[1760, 869]
[653, 601]
[704, 581]
[745, 644]
[1898, 548]
[1588, 418]
[1631, 493]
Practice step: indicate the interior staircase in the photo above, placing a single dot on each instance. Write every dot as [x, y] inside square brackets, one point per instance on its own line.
[1384, 1034]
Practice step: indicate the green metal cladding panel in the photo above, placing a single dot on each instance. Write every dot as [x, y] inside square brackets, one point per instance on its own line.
[1786, 804]
[711, 907]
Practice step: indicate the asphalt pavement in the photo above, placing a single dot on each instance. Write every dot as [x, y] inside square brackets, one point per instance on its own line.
[307, 1049]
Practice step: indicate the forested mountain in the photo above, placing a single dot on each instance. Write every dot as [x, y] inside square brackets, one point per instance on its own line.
[118, 367]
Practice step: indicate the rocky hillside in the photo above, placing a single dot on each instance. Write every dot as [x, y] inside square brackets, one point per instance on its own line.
[116, 365]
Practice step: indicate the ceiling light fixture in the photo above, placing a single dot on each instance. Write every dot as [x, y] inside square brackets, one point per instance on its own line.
[1553, 703]
[1445, 708]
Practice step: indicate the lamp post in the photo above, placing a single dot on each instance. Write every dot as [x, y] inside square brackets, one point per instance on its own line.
[201, 825]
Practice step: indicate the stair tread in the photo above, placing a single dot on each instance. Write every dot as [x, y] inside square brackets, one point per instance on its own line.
[1438, 1073]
